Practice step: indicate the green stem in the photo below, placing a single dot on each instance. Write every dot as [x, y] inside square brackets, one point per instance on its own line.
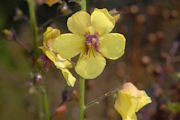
[83, 5]
[39, 106]
[82, 80]
[81, 99]
[31, 6]
[45, 102]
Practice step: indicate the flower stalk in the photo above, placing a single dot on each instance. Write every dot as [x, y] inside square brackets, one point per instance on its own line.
[31, 5]
[81, 100]
[45, 102]
[83, 5]
[82, 80]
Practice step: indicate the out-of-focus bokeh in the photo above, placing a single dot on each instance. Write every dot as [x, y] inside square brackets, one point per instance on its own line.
[151, 60]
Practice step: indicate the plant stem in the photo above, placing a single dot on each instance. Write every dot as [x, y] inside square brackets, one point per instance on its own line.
[45, 102]
[83, 5]
[81, 100]
[31, 6]
[39, 106]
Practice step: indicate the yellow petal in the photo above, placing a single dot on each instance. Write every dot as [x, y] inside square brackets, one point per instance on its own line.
[125, 105]
[143, 100]
[116, 17]
[48, 53]
[62, 63]
[102, 21]
[79, 22]
[130, 100]
[90, 66]
[58, 61]
[70, 79]
[68, 45]
[49, 36]
[112, 45]
[128, 87]
[133, 117]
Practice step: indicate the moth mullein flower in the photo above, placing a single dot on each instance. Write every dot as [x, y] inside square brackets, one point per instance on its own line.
[91, 39]
[130, 100]
[63, 64]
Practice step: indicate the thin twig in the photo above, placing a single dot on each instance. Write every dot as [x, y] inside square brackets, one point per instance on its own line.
[96, 101]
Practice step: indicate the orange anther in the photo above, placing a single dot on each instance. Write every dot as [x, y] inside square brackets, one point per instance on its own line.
[86, 57]
[89, 45]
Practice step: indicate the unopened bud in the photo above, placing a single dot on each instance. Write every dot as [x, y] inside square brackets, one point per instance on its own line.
[64, 10]
[37, 79]
[61, 111]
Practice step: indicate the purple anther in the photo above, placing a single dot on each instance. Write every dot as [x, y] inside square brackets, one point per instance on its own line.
[92, 41]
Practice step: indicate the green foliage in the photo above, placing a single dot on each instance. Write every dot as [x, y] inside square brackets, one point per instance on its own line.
[174, 107]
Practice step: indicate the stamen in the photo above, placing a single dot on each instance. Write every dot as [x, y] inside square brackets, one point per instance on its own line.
[89, 45]
[93, 41]
[86, 57]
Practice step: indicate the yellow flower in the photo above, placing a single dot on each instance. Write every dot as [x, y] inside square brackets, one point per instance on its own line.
[91, 39]
[51, 2]
[130, 100]
[58, 61]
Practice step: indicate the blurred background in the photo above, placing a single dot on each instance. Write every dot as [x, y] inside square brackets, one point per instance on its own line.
[151, 60]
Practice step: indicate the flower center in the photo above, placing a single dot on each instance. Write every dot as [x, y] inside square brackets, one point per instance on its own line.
[92, 41]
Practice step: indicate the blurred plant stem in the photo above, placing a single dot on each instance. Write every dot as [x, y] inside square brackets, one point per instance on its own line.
[39, 106]
[31, 6]
[42, 90]
[45, 102]
[83, 5]
[82, 80]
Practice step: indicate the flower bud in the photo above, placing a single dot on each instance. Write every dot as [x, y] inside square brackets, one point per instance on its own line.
[60, 110]
[130, 100]
[37, 80]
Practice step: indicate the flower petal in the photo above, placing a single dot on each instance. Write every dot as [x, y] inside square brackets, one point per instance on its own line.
[79, 22]
[49, 36]
[112, 45]
[125, 105]
[143, 100]
[48, 53]
[70, 79]
[61, 63]
[90, 66]
[102, 21]
[68, 45]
